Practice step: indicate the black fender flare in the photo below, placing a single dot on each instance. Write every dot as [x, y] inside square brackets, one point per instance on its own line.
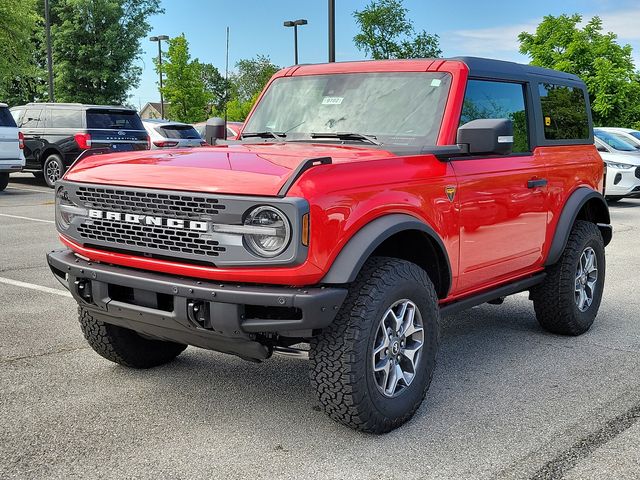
[47, 150]
[360, 246]
[570, 211]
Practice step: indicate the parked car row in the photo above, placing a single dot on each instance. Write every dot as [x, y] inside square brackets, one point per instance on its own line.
[620, 151]
[46, 138]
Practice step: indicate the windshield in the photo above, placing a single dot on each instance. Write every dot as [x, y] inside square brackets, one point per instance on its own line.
[114, 120]
[403, 108]
[614, 142]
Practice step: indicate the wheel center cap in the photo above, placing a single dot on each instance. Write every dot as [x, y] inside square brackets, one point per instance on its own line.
[395, 347]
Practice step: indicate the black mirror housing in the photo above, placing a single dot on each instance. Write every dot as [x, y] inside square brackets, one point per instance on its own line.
[486, 136]
[215, 129]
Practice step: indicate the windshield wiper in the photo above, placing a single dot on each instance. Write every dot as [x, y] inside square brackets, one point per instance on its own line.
[279, 136]
[347, 136]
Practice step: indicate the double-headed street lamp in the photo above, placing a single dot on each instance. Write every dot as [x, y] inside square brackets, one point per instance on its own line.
[159, 39]
[294, 24]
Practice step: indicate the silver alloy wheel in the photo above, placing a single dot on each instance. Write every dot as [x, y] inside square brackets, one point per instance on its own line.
[397, 347]
[586, 279]
[52, 171]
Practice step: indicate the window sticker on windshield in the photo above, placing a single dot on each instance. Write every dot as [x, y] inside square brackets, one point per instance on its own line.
[436, 82]
[332, 100]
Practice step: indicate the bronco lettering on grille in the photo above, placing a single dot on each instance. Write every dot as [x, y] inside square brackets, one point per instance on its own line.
[150, 220]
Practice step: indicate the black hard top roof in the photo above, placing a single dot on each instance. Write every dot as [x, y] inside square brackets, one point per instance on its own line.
[489, 68]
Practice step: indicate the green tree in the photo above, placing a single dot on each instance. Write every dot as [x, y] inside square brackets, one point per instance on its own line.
[251, 76]
[606, 67]
[184, 88]
[386, 32]
[20, 28]
[216, 87]
[95, 46]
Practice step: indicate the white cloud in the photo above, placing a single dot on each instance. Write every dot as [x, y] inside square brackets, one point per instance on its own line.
[624, 23]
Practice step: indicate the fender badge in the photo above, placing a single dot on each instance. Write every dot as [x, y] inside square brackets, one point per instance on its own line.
[451, 192]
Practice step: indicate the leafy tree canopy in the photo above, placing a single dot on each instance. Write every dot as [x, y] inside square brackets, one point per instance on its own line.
[606, 67]
[95, 46]
[386, 32]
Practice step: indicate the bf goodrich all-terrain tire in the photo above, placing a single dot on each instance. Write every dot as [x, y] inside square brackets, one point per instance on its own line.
[4, 181]
[372, 366]
[567, 301]
[124, 346]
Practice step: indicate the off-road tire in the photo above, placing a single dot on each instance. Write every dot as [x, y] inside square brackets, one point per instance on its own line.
[340, 368]
[4, 181]
[124, 346]
[53, 161]
[554, 299]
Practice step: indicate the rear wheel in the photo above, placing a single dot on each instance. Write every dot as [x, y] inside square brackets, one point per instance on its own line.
[124, 346]
[568, 300]
[4, 181]
[372, 367]
[53, 169]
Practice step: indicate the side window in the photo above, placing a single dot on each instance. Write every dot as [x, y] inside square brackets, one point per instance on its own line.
[564, 112]
[31, 119]
[65, 118]
[488, 99]
[17, 115]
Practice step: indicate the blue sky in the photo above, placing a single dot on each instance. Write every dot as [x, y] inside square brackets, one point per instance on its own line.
[465, 27]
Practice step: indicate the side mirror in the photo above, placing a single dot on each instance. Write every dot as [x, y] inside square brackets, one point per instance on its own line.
[486, 136]
[602, 148]
[215, 129]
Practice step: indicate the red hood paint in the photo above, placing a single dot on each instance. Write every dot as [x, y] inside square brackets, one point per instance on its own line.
[258, 169]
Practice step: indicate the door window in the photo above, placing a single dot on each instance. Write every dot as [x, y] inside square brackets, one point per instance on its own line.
[489, 99]
[564, 111]
[31, 119]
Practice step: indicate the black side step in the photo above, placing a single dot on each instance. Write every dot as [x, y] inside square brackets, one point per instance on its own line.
[484, 297]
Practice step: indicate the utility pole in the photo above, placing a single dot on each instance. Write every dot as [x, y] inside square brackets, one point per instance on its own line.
[47, 28]
[159, 39]
[332, 30]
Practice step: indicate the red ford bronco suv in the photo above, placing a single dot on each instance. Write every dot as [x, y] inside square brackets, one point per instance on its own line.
[363, 201]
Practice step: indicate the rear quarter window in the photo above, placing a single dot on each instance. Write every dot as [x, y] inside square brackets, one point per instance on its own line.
[64, 118]
[564, 112]
[6, 119]
[114, 120]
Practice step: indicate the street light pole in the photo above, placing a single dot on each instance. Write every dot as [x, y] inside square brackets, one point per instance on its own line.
[332, 30]
[159, 39]
[47, 27]
[294, 24]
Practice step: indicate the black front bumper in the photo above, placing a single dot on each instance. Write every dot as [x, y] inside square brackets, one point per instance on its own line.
[225, 317]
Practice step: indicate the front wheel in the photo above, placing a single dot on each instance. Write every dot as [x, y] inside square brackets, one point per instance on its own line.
[124, 346]
[372, 367]
[568, 300]
[53, 169]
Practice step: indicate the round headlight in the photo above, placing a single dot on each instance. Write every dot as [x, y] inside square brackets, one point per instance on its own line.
[269, 231]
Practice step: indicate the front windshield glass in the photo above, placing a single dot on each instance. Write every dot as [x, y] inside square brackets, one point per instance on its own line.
[614, 142]
[403, 108]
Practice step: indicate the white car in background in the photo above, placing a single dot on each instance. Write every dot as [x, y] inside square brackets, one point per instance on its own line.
[623, 170]
[629, 135]
[166, 134]
[11, 146]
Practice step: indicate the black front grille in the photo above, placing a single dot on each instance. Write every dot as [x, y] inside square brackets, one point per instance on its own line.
[174, 205]
[151, 239]
[638, 172]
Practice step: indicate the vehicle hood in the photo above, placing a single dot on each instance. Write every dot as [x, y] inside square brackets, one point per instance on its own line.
[629, 158]
[256, 169]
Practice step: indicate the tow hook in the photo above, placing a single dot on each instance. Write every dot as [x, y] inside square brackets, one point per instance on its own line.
[198, 313]
[83, 289]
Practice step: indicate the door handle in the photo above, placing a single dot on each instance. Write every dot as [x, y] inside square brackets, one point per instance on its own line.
[538, 182]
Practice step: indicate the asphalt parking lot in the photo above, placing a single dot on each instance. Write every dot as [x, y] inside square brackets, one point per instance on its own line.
[507, 401]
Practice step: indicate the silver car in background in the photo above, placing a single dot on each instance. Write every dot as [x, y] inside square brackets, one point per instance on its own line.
[166, 134]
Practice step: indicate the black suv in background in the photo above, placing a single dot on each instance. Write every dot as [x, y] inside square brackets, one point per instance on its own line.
[56, 133]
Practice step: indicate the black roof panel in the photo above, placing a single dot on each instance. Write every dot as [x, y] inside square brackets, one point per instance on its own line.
[489, 68]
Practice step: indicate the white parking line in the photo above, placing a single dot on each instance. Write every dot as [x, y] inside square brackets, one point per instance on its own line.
[40, 288]
[26, 218]
[30, 190]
